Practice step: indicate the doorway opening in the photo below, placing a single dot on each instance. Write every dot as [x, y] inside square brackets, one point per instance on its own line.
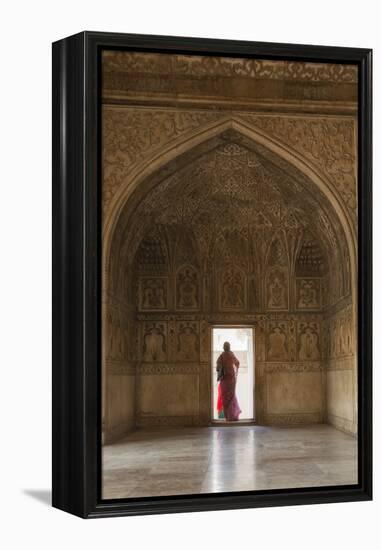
[241, 340]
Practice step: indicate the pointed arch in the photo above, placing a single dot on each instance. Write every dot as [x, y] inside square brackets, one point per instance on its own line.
[185, 144]
[147, 174]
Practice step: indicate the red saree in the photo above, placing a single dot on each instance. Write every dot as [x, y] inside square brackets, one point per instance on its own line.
[220, 407]
[227, 385]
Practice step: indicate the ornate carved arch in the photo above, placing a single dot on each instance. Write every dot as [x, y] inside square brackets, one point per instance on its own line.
[183, 147]
[146, 178]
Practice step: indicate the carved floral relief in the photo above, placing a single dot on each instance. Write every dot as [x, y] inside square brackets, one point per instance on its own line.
[187, 341]
[154, 342]
[277, 341]
[308, 341]
[153, 293]
[187, 288]
[277, 289]
[232, 289]
[308, 293]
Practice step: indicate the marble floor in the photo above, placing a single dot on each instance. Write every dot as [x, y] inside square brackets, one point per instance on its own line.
[174, 461]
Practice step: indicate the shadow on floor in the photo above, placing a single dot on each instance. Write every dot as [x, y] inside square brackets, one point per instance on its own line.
[42, 495]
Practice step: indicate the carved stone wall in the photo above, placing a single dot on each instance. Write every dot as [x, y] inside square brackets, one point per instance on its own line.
[227, 232]
[118, 387]
[341, 368]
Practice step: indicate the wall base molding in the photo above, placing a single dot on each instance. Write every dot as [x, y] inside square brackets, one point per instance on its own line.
[343, 424]
[111, 435]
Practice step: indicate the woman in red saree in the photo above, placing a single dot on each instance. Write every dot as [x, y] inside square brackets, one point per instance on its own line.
[228, 364]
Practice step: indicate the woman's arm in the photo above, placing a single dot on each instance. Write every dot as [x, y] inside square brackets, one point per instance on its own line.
[219, 363]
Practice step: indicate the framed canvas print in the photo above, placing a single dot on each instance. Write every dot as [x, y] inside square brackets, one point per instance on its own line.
[211, 274]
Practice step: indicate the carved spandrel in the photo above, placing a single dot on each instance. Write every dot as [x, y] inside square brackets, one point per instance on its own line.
[131, 134]
[327, 142]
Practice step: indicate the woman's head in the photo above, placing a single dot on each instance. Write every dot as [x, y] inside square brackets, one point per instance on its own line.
[226, 346]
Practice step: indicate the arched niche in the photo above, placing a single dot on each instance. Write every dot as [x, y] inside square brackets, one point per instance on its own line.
[124, 230]
[184, 150]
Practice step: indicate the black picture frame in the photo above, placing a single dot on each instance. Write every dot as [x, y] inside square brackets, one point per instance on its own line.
[76, 275]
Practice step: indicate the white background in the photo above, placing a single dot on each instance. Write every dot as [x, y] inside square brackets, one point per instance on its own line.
[27, 30]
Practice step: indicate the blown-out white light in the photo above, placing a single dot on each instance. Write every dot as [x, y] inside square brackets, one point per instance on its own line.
[242, 344]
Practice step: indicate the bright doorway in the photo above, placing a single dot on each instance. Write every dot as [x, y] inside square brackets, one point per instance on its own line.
[241, 340]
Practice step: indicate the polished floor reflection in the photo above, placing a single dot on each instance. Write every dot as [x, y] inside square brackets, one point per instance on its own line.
[175, 461]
